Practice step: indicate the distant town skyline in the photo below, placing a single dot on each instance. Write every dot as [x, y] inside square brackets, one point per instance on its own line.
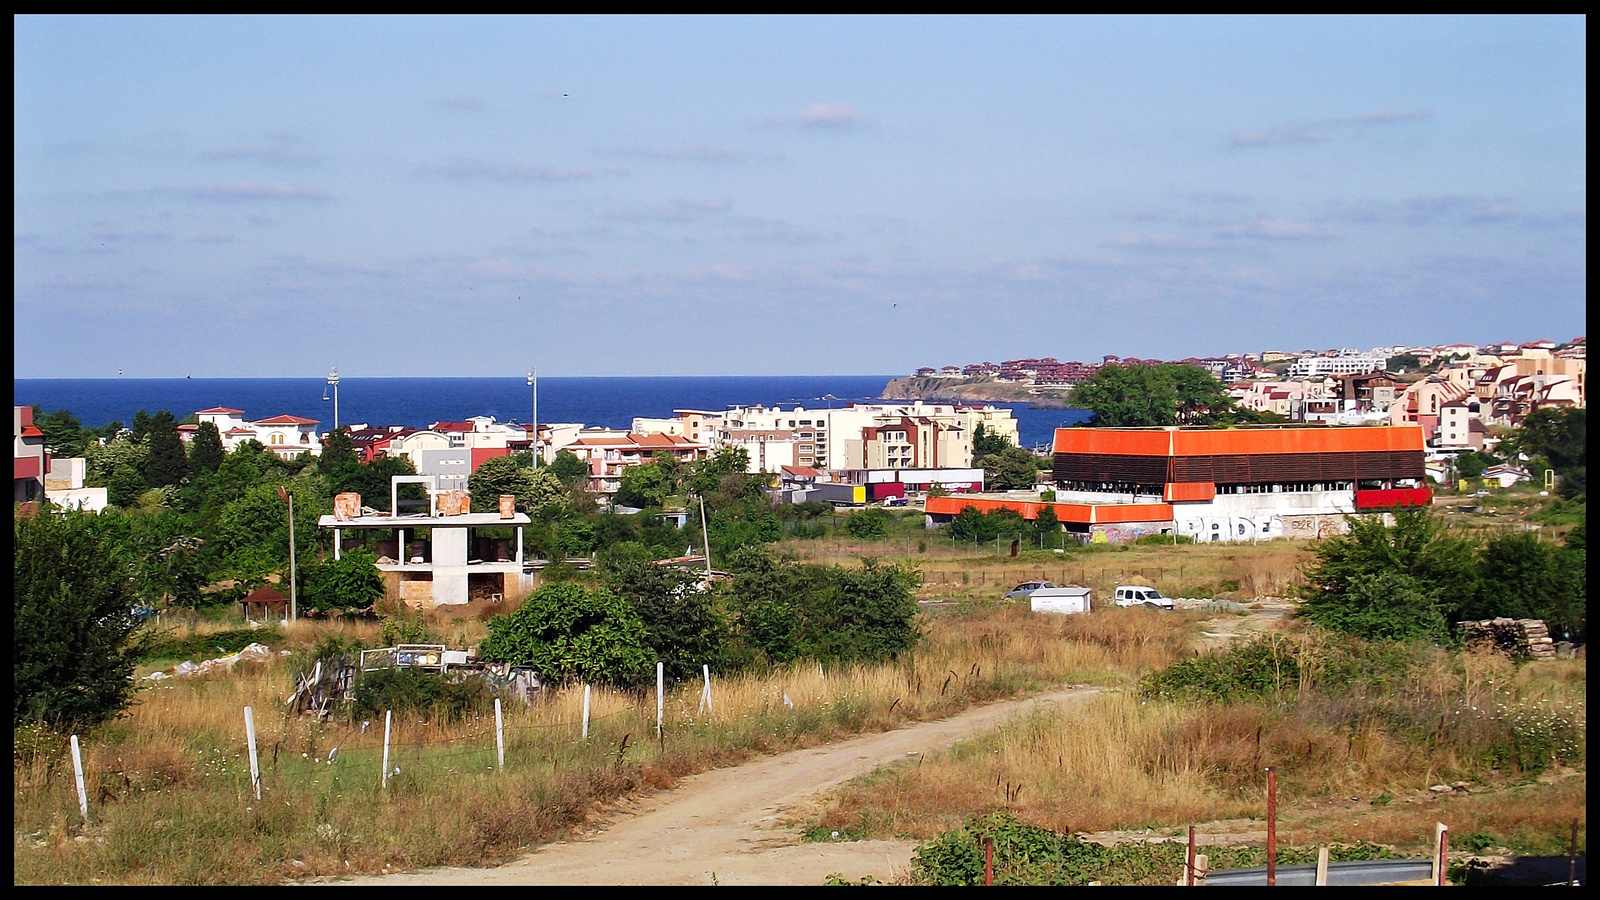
[270, 197]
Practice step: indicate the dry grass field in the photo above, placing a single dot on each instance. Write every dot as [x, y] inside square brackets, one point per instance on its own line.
[171, 801]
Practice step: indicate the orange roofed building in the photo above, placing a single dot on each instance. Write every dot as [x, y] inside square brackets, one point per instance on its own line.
[1117, 484]
[609, 452]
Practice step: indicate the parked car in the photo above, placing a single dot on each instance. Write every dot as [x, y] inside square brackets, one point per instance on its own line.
[1025, 590]
[1139, 595]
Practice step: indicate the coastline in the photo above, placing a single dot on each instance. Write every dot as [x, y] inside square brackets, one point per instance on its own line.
[975, 390]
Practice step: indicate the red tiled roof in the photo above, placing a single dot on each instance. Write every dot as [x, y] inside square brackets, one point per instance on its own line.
[801, 472]
[240, 431]
[220, 409]
[188, 427]
[285, 420]
[31, 431]
[451, 426]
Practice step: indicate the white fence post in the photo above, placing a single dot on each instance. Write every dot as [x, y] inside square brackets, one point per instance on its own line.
[250, 738]
[586, 712]
[661, 689]
[388, 719]
[499, 736]
[77, 774]
[705, 695]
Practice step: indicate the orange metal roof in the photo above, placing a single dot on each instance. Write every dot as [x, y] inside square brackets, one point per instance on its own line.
[1077, 513]
[1240, 441]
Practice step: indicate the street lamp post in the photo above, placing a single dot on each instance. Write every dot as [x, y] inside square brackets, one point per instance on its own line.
[288, 498]
[333, 381]
[533, 382]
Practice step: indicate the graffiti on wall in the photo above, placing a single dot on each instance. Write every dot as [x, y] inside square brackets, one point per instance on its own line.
[1122, 534]
[1311, 527]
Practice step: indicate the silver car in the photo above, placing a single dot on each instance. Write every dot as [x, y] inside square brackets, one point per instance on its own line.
[1025, 590]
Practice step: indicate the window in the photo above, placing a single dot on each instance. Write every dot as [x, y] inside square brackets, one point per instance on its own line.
[276, 438]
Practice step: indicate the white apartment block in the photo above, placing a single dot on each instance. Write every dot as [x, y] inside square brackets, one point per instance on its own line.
[1319, 366]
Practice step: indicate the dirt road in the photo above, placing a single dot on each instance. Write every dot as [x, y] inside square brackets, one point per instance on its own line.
[734, 826]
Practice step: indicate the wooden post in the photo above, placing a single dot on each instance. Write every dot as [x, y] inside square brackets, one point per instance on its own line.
[1322, 866]
[250, 739]
[988, 861]
[586, 712]
[1189, 864]
[1202, 865]
[499, 736]
[388, 721]
[83, 798]
[1272, 827]
[661, 692]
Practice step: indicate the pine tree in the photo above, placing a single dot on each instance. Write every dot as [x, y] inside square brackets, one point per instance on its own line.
[167, 463]
[205, 457]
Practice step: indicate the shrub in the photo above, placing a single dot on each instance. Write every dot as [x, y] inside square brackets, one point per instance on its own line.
[416, 690]
[568, 632]
[349, 583]
[73, 600]
[867, 524]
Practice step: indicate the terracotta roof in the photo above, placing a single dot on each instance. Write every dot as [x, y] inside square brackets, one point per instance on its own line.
[285, 420]
[220, 409]
[188, 427]
[801, 472]
[451, 426]
[265, 594]
[31, 431]
[240, 431]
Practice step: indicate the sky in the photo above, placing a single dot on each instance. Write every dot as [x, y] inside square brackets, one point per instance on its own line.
[265, 197]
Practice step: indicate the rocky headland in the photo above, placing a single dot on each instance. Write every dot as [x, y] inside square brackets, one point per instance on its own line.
[982, 389]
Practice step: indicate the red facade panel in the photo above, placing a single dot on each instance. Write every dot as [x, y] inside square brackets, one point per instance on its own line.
[1392, 498]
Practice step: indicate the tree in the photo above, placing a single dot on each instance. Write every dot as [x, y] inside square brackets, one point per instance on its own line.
[1012, 469]
[348, 583]
[167, 464]
[1047, 523]
[571, 633]
[1404, 582]
[1558, 435]
[646, 485]
[1523, 577]
[862, 615]
[683, 627]
[64, 436]
[1150, 394]
[72, 663]
[568, 468]
[141, 426]
[985, 444]
[206, 453]
[337, 450]
[496, 476]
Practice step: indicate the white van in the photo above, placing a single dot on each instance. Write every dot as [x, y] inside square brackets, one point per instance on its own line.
[1139, 595]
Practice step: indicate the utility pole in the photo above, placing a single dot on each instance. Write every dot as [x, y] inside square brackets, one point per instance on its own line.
[705, 538]
[333, 380]
[533, 382]
[288, 498]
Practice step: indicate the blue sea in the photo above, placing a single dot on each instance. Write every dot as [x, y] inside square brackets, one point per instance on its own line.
[417, 402]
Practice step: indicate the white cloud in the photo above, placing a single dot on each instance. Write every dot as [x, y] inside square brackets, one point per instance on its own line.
[829, 115]
[1272, 228]
[255, 190]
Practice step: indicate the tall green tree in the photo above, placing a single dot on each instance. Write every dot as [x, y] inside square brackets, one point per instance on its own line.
[64, 436]
[206, 453]
[1153, 394]
[1012, 469]
[986, 444]
[73, 618]
[337, 450]
[166, 464]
